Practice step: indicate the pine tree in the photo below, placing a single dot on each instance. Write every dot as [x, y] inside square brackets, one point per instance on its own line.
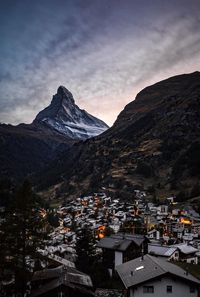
[87, 259]
[85, 249]
[21, 234]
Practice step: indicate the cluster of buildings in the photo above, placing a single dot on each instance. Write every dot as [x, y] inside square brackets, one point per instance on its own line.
[164, 223]
[139, 242]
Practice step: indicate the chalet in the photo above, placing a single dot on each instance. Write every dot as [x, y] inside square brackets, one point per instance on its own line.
[170, 253]
[153, 234]
[157, 277]
[187, 253]
[120, 248]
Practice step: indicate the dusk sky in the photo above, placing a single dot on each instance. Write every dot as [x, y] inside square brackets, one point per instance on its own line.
[103, 51]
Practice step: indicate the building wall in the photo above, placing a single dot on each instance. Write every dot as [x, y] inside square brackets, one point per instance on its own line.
[193, 260]
[179, 289]
[109, 258]
[174, 256]
[134, 251]
[118, 258]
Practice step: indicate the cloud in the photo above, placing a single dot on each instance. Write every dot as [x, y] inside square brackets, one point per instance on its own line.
[104, 52]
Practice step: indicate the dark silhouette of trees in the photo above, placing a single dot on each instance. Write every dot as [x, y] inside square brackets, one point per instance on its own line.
[22, 232]
[85, 250]
[87, 259]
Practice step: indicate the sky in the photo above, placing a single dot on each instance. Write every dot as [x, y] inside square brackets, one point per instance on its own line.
[103, 51]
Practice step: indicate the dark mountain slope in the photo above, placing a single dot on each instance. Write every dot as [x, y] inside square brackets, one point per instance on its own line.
[154, 143]
[27, 148]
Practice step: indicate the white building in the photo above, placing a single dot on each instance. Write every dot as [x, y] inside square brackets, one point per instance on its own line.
[157, 277]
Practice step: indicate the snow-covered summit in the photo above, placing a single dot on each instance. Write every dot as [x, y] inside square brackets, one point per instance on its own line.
[64, 116]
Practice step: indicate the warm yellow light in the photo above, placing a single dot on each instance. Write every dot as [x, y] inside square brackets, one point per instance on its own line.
[101, 231]
[185, 221]
[102, 228]
[101, 235]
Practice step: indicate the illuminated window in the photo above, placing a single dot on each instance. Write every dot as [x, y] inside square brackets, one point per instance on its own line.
[148, 289]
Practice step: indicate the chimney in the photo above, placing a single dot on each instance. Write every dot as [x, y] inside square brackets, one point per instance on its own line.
[142, 256]
[157, 234]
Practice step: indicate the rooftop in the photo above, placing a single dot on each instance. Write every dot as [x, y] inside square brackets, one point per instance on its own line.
[62, 275]
[185, 248]
[159, 250]
[138, 271]
[120, 242]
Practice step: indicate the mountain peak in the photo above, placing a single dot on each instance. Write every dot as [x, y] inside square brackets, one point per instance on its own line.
[64, 116]
[63, 89]
[65, 93]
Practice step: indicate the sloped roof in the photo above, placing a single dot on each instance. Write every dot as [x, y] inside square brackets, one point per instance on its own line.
[138, 271]
[120, 242]
[152, 231]
[159, 250]
[55, 283]
[185, 248]
[114, 244]
[136, 238]
[70, 274]
[61, 260]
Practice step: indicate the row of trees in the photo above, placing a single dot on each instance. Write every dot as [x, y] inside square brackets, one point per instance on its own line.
[22, 232]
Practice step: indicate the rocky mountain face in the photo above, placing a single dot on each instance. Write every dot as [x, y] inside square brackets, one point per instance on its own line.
[27, 148]
[154, 145]
[64, 116]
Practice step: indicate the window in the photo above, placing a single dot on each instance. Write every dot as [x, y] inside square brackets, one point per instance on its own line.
[148, 289]
[169, 289]
[192, 289]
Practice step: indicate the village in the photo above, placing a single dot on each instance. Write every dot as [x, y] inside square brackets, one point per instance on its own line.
[126, 235]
